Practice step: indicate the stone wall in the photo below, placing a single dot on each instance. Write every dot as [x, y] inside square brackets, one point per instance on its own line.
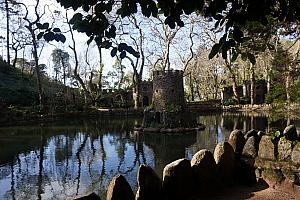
[167, 89]
[145, 92]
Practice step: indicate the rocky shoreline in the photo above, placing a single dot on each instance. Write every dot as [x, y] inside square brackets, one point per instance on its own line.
[245, 159]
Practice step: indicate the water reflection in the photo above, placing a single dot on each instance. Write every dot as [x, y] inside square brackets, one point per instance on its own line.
[74, 158]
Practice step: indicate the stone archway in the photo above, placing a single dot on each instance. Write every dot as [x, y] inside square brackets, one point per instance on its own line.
[157, 117]
[145, 101]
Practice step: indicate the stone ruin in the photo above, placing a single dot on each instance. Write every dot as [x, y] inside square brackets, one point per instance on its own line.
[260, 90]
[168, 107]
[145, 94]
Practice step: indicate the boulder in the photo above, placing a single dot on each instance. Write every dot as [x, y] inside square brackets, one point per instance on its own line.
[251, 133]
[204, 170]
[149, 184]
[178, 180]
[260, 134]
[267, 149]
[290, 133]
[237, 141]
[91, 196]
[225, 160]
[250, 148]
[246, 171]
[291, 176]
[296, 154]
[284, 149]
[119, 189]
[273, 177]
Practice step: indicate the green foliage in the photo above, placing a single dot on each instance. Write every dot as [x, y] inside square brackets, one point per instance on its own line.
[280, 62]
[276, 135]
[295, 142]
[20, 90]
[295, 92]
[276, 94]
[150, 107]
[231, 101]
[173, 108]
[244, 100]
[245, 22]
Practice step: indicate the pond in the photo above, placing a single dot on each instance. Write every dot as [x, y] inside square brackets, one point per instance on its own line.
[76, 157]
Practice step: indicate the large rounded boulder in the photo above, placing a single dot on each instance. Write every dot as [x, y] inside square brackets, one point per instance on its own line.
[250, 148]
[284, 149]
[290, 133]
[178, 181]
[296, 154]
[225, 160]
[204, 170]
[119, 189]
[149, 184]
[251, 133]
[267, 149]
[237, 141]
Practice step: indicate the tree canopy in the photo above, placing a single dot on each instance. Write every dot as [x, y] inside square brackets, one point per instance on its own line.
[234, 17]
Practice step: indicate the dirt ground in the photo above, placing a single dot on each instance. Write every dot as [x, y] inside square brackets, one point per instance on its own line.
[258, 192]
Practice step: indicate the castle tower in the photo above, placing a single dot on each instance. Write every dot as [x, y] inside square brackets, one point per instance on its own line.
[168, 89]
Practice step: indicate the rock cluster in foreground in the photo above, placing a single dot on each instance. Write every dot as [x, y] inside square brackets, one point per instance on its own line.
[245, 158]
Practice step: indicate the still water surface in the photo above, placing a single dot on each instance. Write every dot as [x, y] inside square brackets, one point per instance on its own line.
[73, 158]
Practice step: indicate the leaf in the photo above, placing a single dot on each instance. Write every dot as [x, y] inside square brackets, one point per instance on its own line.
[114, 52]
[122, 46]
[252, 59]
[100, 7]
[39, 25]
[40, 35]
[234, 56]
[57, 30]
[238, 35]
[90, 40]
[106, 44]
[123, 54]
[214, 50]
[130, 50]
[49, 36]
[244, 56]
[62, 38]
[45, 25]
[75, 18]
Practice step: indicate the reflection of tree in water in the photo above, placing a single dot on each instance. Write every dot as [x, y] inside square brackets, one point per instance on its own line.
[47, 167]
[81, 147]
[41, 159]
[13, 191]
[139, 157]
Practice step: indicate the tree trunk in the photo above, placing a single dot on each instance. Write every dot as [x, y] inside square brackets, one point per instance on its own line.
[287, 85]
[233, 81]
[7, 31]
[234, 87]
[252, 86]
[37, 69]
[15, 60]
[137, 84]
[100, 71]
[192, 88]
[76, 74]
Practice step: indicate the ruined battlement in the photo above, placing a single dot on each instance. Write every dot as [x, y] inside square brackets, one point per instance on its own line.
[168, 89]
[167, 73]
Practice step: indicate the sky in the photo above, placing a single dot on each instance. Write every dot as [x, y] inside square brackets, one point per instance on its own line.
[81, 45]
[45, 58]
